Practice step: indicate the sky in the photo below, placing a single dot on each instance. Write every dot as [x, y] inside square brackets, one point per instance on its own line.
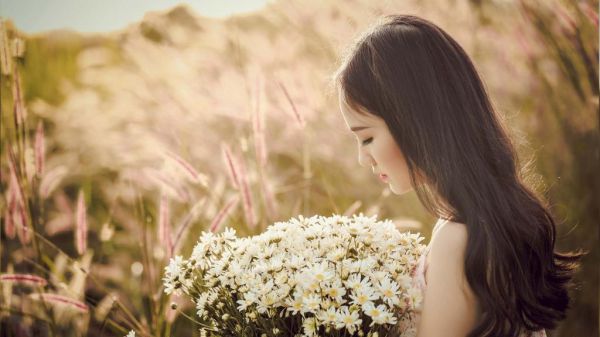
[35, 16]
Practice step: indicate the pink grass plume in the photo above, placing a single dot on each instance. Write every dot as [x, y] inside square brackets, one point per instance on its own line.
[81, 224]
[260, 148]
[60, 300]
[20, 111]
[14, 181]
[164, 226]
[21, 224]
[17, 215]
[591, 14]
[186, 167]
[5, 55]
[258, 122]
[11, 201]
[247, 200]
[9, 225]
[232, 165]
[269, 199]
[297, 115]
[51, 179]
[184, 225]
[565, 19]
[26, 279]
[39, 149]
[167, 184]
[223, 213]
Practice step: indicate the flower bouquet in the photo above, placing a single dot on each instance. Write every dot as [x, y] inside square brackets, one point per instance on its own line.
[317, 276]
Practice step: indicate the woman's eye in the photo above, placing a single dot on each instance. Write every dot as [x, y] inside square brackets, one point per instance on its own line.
[367, 141]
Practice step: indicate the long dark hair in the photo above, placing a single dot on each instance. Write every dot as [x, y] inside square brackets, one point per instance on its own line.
[419, 80]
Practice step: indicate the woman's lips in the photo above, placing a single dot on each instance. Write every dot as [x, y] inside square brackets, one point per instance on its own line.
[383, 177]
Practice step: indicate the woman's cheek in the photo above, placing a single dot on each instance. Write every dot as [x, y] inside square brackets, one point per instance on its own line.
[396, 163]
[393, 157]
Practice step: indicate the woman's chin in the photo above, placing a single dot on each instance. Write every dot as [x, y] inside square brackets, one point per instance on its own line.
[399, 190]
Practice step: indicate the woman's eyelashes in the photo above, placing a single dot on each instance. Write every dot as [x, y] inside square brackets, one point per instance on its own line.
[367, 141]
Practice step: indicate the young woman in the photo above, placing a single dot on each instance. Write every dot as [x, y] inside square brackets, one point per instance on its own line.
[424, 121]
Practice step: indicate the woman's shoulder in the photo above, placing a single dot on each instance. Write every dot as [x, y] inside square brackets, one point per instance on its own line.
[450, 234]
[447, 248]
[448, 297]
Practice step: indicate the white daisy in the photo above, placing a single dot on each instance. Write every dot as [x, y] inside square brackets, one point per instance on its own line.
[311, 304]
[248, 300]
[328, 316]
[295, 304]
[336, 291]
[320, 272]
[201, 305]
[389, 291]
[356, 229]
[310, 327]
[353, 281]
[363, 297]
[348, 320]
[378, 314]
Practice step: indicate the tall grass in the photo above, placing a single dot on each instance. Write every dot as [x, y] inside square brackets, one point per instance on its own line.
[563, 59]
[118, 150]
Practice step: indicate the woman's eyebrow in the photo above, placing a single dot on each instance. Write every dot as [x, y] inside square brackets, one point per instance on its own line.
[358, 128]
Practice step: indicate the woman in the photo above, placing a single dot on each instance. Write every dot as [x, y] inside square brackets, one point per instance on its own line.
[424, 121]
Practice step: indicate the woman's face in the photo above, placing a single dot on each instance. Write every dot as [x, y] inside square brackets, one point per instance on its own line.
[377, 147]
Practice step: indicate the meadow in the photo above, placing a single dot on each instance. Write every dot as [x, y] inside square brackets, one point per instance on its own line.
[120, 148]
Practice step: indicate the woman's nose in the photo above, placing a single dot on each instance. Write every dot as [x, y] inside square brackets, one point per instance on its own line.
[364, 159]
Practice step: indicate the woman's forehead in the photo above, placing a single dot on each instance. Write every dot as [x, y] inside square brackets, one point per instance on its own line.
[347, 109]
[355, 118]
[351, 117]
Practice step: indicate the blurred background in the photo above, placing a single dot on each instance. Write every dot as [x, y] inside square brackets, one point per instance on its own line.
[128, 128]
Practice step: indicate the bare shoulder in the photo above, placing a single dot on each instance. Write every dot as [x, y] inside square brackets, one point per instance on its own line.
[451, 235]
[448, 247]
[449, 305]
[447, 255]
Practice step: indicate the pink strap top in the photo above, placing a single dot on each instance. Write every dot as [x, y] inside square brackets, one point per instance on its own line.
[420, 281]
